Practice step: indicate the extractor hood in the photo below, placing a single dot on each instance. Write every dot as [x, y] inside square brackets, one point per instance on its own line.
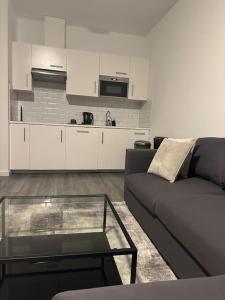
[49, 75]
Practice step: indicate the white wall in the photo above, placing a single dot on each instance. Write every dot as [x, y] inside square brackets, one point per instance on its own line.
[188, 70]
[32, 31]
[12, 33]
[4, 15]
[12, 21]
[116, 43]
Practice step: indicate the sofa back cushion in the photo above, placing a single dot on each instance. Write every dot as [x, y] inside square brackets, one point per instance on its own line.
[208, 160]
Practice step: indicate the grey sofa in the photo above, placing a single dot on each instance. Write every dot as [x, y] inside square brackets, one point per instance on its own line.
[189, 289]
[186, 219]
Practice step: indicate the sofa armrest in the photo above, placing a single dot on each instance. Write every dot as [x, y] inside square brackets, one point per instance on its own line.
[138, 161]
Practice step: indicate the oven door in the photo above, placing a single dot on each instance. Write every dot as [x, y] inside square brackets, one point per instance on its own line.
[114, 87]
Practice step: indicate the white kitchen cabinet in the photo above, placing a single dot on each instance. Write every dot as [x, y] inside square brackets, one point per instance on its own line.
[82, 73]
[19, 146]
[139, 78]
[113, 144]
[114, 65]
[112, 149]
[82, 148]
[21, 67]
[49, 58]
[47, 147]
[136, 135]
[53, 147]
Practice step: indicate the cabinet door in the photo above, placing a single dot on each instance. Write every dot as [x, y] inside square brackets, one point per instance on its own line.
[81, 148]
[47, 147]
[83, 73]
[135, 135]
[21, 67]
[19, 147]
[114, 65]
[139, 79]
[112, 149]
[48, 58]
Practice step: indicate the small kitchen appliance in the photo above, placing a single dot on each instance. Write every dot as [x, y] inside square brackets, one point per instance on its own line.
[88, 118]
[73, 121]
[114, 86]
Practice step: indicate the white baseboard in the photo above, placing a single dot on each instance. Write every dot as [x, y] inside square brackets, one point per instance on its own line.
[4, 173]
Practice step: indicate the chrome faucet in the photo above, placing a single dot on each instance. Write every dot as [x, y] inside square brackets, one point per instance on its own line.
[108, 121]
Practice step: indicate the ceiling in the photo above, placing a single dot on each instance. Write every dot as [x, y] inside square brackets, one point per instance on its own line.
[124, 16]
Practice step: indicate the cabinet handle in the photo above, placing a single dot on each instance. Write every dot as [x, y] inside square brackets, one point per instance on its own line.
[132, 90]
[61, 136]
[102, 138]
[24, 134]
[139, 133]
[121, 73]
[95, 88]
[56, 66]
[82, 131]
[27, 80]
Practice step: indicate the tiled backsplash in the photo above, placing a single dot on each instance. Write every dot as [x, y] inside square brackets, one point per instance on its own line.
[49, 104]
[145, 114]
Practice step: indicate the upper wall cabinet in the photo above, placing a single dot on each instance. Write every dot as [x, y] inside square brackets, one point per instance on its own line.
[21, 67]
[139, 78]
[49, 58]
[114, 65]
[82, 73]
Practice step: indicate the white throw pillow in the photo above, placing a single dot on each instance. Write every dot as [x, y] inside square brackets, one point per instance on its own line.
[184, 171]
[169, 158]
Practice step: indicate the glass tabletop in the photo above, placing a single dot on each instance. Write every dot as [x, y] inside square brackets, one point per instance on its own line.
[60, 226]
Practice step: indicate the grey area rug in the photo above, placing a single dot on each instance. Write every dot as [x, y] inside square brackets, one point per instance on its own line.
[151, 266]
[68, 217]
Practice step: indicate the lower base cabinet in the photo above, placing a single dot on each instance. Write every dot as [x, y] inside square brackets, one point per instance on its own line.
[52, 147]
[82, 148]
[137, 135]
[47, 147]
[19, 146]
[112, 149]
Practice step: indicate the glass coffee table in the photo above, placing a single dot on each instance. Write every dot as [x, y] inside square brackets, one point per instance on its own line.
[52, 244]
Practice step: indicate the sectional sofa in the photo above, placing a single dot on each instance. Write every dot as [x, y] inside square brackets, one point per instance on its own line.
[186, 222]
[189, 289]
[186, 219]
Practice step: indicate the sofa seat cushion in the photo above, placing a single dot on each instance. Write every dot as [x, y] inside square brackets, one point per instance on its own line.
[189, 289]
[148, 187]
[198, 222]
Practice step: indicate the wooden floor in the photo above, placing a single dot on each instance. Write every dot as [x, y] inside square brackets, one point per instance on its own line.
[63, 184]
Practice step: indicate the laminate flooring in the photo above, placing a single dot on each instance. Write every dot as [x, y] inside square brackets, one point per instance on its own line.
[151, 266]
[63, 184]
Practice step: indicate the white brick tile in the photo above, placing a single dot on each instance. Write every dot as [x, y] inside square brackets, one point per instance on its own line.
[50, 105]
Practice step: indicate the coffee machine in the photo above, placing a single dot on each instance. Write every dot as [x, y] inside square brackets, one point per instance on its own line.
[88, 118]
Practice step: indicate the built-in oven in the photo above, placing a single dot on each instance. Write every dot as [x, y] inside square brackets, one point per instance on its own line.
[114, 86]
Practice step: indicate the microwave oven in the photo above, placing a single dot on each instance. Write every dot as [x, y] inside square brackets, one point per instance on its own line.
[114, 86]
